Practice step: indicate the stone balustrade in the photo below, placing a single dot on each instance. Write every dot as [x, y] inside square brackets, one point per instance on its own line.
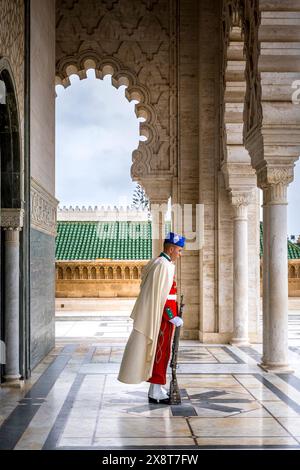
[98, 278]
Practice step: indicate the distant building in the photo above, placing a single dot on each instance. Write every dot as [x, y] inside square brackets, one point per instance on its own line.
[293, 264]
[100, 252]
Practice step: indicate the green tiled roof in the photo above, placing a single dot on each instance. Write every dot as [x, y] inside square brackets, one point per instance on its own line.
[113, 240]
[91, 240]
[293, 249]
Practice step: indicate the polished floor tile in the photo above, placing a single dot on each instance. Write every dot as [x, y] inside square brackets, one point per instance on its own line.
[234, 427]
[247, 441]
[280, 410]
[136, 427]
[292, 425]
[143, 441]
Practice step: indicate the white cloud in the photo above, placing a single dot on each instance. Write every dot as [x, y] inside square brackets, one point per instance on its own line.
[96, 133]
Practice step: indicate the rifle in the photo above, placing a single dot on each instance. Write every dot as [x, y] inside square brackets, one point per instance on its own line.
[174, 392]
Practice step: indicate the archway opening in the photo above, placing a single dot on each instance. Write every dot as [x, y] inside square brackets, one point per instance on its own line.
[98, 257]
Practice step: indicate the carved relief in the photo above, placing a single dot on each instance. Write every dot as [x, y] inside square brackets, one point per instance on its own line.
[275, 175]
[43, 209]
[242, 198]
[134, 41]
[12, 45]
[253, 111]
[12, 219]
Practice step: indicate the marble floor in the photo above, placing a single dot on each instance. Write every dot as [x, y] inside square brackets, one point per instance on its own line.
[74, 401]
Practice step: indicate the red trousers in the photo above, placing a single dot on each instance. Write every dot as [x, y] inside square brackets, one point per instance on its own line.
[162, 355]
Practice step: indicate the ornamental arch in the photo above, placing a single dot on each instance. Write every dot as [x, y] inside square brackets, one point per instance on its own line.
[137, 43]
[143, 157]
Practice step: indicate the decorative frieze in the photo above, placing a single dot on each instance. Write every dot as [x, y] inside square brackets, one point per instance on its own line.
[43, 209]
[12, 219]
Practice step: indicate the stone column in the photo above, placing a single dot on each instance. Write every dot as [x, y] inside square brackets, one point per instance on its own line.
[11, 276]
[240, 269]
[266, 257]
[12, 222]
[275, 303]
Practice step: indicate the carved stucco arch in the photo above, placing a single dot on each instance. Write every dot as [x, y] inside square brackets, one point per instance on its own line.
[143, 158]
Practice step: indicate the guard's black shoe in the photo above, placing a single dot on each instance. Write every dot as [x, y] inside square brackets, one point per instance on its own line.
[164, 401]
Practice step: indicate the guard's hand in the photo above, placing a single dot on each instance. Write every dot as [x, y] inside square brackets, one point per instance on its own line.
[177, 321]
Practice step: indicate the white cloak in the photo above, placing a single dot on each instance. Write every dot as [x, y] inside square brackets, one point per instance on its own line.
[139, 354]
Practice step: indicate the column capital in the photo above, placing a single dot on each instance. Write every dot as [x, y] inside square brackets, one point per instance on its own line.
[271, 175]
[240, 201]
[242, 198]
[12, 219]
[274, 180]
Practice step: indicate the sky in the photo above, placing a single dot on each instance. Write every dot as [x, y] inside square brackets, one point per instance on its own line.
[294, 203]
[96, 133]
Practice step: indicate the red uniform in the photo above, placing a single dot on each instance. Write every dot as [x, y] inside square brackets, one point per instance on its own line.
[163, 348]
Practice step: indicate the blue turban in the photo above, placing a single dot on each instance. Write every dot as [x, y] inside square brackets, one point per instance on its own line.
[175, 239]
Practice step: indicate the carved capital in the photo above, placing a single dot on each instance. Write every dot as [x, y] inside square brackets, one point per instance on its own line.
[242, 198]
[12, 219]
[274, 181]
[240, 212]
[240, 202]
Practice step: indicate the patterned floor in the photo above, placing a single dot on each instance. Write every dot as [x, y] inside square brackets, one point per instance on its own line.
[74, 401]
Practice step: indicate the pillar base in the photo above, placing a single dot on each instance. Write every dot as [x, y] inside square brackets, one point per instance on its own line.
[276, 368]
[240, 342]
[13, 382]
